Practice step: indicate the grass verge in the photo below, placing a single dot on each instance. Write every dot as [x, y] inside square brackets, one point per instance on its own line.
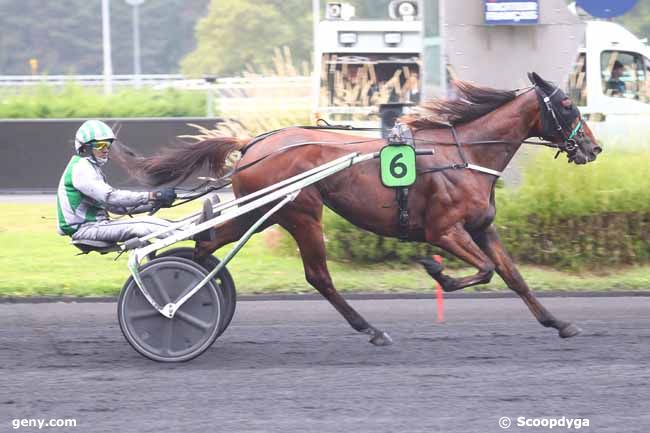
[35, 261]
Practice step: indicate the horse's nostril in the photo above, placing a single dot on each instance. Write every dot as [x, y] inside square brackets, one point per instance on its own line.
[597, 150]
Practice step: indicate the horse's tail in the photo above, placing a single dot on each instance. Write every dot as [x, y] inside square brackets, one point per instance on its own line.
[175, 164]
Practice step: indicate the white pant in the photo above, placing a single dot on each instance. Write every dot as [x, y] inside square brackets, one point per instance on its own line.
[121, 230]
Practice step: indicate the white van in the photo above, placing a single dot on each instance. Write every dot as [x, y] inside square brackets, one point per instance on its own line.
[611, 83]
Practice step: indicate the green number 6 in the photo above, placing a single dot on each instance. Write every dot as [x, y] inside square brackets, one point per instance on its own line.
[397, 163]
[397, 169]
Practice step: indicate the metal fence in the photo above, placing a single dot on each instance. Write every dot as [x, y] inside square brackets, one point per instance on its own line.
[227, 86]
[87, 80]
[232, 96]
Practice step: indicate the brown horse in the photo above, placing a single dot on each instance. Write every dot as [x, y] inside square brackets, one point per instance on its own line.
[452, 208]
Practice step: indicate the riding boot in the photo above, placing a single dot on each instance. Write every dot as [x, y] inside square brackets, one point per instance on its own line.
[215, 200]
[206, 215]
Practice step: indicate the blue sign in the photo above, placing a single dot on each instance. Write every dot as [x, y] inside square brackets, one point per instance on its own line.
[606, 8]
[511, 12]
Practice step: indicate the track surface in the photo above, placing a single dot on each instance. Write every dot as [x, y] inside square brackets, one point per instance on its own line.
[295, 366]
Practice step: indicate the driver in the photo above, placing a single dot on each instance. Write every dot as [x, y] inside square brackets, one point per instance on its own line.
[616, 86]
[84, 198]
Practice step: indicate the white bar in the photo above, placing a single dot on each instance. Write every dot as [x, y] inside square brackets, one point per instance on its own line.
[170, 309]
[227, 205]
[485, 170]
[345, 162]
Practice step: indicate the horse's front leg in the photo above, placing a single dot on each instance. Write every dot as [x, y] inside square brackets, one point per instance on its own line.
[490, 242]
[458, 241]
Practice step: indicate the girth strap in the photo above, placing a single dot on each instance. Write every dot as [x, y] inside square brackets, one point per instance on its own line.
[402, 198]
[401, 134]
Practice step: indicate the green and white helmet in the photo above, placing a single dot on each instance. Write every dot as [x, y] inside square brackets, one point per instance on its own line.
[92, 130]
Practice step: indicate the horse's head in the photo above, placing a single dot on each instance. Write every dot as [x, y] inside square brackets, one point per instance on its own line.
[562, 123]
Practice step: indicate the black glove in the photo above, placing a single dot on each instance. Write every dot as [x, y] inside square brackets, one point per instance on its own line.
[164, 197]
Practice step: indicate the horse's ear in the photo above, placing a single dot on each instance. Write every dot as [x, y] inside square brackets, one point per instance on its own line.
[531, 77]
[541, 82]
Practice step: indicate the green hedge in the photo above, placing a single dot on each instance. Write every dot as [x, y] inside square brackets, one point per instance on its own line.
[580, 217]
[75, 101]
[565, 216]
[581, 241]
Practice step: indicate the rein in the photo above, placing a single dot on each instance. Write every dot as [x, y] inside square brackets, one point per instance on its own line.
[569, 146]
[225, 179]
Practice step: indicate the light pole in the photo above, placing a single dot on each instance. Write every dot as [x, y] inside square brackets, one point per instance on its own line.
[137, 69]
[315, 11]
[106, 47]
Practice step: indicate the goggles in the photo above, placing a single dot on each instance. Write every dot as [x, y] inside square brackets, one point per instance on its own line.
[101, 144]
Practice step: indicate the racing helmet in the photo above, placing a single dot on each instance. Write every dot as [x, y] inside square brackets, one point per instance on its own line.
[92, 130]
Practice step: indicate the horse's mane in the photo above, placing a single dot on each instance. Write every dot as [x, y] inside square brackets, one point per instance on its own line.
[471, 103]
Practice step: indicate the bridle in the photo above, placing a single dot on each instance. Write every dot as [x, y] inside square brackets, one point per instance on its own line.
[553, 124]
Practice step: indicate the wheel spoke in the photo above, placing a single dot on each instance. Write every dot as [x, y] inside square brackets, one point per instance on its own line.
[160, 288]
[194, 321]
[167, 337]
[143, 314]
[189, 288]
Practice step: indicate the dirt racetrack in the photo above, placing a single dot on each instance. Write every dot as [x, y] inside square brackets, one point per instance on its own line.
[295, 366]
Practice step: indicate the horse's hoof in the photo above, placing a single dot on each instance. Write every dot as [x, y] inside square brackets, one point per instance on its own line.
[381, 339]
[569, 331]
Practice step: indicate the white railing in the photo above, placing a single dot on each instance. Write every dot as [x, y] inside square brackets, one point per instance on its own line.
[86, 80]
[161, 80]
[236, 96]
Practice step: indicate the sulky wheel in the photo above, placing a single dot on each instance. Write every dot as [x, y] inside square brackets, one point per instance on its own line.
[194, 327]
[223, 279]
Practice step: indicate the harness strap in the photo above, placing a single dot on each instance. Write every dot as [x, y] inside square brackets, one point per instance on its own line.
[402, 198]
[458, 145]
[465, 164]
[575, 130]
[402, 134]
[323, 125]
[549, 108]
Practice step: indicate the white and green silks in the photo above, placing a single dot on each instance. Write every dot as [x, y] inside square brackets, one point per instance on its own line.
[84, 197]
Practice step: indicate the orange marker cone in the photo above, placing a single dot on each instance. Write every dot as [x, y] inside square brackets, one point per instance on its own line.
[440, 299]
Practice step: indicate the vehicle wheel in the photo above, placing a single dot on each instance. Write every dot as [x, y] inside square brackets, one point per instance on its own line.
[194, 327]
[223, 279]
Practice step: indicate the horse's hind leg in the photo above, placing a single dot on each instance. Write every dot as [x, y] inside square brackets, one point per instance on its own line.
[505, 267]
[308, 233]
[457, 241]
[228, 232]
